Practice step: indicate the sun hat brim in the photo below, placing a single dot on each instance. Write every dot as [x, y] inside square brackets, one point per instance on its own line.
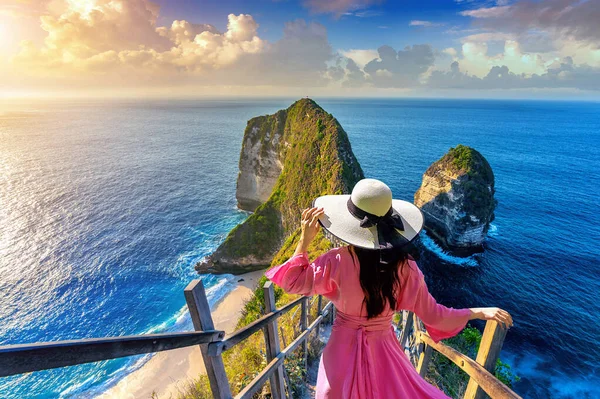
[339, 222]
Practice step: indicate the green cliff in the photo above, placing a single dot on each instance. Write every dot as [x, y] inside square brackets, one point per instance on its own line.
[312, 154]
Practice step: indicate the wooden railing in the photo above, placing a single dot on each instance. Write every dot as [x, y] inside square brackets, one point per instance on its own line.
[419, 347]
[273, 372]
[18, 359]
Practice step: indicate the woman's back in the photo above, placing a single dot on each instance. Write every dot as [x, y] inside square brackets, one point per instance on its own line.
[336, 275]
[363, 358]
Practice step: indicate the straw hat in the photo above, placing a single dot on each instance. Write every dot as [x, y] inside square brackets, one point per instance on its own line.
[370, 218]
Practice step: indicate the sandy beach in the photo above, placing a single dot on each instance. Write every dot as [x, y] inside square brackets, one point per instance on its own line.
[169, 372]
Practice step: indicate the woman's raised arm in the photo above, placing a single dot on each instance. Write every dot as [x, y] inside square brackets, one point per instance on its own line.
[298, 275]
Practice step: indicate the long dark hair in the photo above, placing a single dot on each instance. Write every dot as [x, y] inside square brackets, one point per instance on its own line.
[379, 277]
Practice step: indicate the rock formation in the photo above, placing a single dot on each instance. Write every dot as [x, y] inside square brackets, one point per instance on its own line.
[457, 199]
[294, 155]
[260, 160]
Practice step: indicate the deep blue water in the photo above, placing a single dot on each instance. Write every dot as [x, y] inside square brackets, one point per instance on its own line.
[106, 206]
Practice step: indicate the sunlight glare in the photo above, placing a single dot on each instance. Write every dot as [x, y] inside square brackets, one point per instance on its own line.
[83, 7]
[4, 35]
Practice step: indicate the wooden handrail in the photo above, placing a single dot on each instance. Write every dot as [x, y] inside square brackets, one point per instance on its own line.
[258, 381]
[19, 359]
[486, 381]
[240, 335]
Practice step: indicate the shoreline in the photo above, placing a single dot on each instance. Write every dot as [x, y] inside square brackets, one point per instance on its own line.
[168, 373]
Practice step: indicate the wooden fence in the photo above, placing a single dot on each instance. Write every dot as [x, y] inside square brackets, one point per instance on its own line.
[419, 346]
[18, 359]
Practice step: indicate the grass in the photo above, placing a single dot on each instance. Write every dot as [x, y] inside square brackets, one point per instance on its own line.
[450, 378]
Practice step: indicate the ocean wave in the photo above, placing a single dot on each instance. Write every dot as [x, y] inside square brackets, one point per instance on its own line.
[493, 231]
[535, 367]
[216, 288]
[433, 247]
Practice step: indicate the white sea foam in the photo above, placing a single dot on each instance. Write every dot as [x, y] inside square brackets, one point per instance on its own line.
[216, 288]
[493, 231]
[539, 368]
[432, 246]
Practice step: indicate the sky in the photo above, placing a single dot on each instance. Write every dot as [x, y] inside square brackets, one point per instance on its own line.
[445, 48]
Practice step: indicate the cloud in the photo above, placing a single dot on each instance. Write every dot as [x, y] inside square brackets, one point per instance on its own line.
[23, 8]
[355, 77]
[338, 7]
[298, 59]
[476, 60]
[360, 56]
[562, 75]
[365, 13]
[119, 41]
[450, 51]
[402, 68]
[487, 12]
[424, 24]
[577, 19]
[486, 37]
[182, 31]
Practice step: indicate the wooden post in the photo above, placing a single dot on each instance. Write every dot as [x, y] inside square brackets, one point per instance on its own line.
[417, 342]
[319, 312]
[424, 358]
[408, 325]
[197, 303]
[487, 356]
[272, 342]
[333, 312]
[303, 325]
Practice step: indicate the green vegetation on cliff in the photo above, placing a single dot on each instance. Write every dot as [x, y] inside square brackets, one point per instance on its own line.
[477, 176]
[317, 159]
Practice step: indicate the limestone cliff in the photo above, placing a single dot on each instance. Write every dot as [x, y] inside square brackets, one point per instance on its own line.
[260, 160]
[457, 199]
[307, 153]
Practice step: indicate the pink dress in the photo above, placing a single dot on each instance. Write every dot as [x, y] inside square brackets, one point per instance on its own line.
[363, 359]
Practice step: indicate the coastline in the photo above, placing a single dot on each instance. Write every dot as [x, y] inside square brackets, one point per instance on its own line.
[169, 372]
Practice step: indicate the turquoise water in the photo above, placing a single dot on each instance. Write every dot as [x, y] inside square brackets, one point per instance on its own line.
[106, 206]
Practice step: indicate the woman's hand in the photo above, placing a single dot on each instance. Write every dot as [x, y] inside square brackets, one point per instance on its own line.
[497, 314]
[310, 228]
[310, 224]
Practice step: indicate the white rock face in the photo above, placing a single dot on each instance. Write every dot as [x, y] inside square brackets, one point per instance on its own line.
[260, 164]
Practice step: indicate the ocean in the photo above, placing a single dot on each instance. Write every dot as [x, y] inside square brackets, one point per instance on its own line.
[105, 207]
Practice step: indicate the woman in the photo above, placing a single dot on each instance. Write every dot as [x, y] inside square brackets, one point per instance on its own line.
[368, 281]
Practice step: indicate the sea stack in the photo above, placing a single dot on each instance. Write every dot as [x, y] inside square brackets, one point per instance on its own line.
[287, 159]
[457, 199]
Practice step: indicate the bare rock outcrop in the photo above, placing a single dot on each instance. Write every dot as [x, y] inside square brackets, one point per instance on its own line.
[260, 164]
